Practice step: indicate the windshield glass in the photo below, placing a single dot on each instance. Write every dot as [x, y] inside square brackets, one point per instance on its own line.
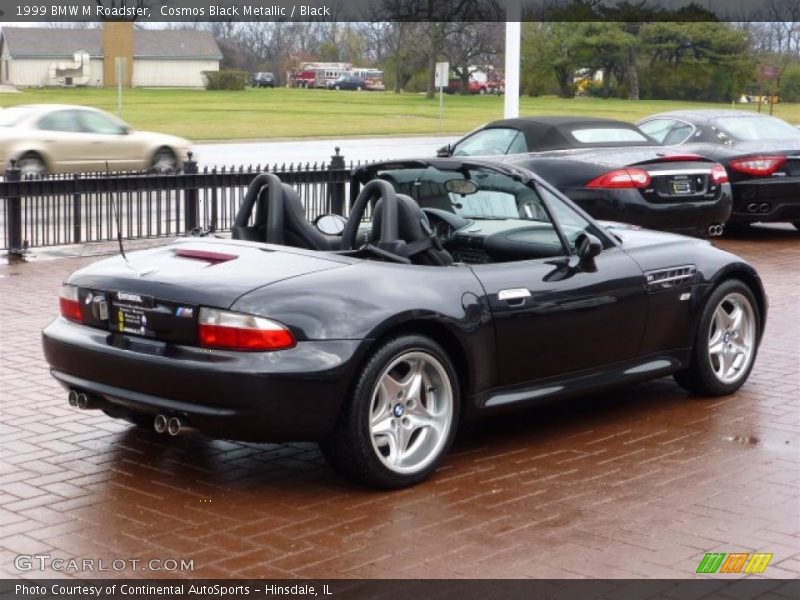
[498, 196]
[11, 116]
[757, 128]
[492, 141]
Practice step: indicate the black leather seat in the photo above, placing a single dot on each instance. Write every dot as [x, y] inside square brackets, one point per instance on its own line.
[279, 217]
[421, 245]
[298, 232]
[264, 197]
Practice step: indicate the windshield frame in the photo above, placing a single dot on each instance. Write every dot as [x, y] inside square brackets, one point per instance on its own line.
[367, 173]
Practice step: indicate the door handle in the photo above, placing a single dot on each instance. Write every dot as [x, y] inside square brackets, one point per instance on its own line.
[514, 296]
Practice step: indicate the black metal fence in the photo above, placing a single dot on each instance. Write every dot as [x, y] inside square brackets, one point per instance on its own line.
[75, 208]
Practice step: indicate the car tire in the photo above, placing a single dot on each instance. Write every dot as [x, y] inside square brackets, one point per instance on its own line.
[401, 417]
[726, 342]
[164, 161]
[31, 164]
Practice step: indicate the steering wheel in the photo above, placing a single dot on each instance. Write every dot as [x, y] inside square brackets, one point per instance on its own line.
[377, 189]
[437, 223]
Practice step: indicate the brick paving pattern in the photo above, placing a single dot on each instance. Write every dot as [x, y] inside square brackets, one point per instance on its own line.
[641, 482]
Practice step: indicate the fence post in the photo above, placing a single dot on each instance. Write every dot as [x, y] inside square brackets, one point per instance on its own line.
[15, 244]
[336, 188]
[190, 204]
[77, 217]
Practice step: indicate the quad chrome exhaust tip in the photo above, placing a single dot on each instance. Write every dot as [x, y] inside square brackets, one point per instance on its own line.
[160, 423]
[175, 426]
[715, 230]
[170, 425]
[84, 401]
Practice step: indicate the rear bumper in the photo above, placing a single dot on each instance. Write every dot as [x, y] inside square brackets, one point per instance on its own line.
[766, 200]
[628, 206]
[291, 395]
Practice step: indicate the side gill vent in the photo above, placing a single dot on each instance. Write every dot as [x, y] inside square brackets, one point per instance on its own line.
[667, 279]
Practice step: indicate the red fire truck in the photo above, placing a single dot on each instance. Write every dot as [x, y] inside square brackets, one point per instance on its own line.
[319, 74]
[316, 74]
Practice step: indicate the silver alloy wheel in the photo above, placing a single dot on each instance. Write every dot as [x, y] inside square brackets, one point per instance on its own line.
[411, 412]
[164, 161]
[732, 338]
[31, 166]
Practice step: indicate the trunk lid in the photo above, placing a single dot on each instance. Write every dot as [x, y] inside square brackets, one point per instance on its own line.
[157, 293]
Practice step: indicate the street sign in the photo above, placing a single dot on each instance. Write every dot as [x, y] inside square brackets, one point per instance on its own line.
[442, 74]
[769, 72]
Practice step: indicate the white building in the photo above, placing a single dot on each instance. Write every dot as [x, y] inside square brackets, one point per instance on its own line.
[38, 56]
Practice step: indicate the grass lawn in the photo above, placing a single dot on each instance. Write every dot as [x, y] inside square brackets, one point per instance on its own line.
[297, 113]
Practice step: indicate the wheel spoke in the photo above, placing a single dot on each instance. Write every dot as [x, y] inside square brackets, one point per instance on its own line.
[737, 318]
[382, 406]
[421, 412]
[726, 361]
[394, 454]
[382, 426]
[392, 389]
[412, 383]
[416, 422]
[722, 318]
[402, 435]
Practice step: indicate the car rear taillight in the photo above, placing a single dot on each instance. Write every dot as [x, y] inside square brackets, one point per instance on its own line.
[719, 174]
[236, 331]
[69, 303]
[623, 178]
[758, 165]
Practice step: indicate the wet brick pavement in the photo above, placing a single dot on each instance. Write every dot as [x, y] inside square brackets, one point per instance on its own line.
[641, 482]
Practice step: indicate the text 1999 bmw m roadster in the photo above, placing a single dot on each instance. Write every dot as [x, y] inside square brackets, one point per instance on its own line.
[474, 287]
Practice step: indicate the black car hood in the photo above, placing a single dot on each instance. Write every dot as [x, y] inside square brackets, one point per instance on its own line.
[218, 282]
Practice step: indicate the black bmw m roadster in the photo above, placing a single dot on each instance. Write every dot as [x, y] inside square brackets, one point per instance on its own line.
[456, 288]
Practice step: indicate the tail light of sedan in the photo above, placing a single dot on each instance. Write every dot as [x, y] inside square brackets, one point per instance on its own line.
[760, 166]
[622, 178]
[236, 331]
[719, 174]
[69, 303]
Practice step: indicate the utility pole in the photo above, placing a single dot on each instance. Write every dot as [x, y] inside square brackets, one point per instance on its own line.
[513, 36]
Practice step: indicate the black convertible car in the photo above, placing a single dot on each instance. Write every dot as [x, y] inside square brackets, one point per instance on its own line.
[474, 287]
[761, 154]
[612, 170]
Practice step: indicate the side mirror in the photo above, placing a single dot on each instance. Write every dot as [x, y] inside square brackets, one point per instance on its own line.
[330, 224]
[445, 151]
[588, 246]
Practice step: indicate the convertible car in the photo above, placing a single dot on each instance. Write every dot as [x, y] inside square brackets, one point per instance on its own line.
[456, 288]
[612, 170]
[761, 154]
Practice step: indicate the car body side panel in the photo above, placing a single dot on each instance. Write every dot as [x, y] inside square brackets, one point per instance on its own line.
[369, 299]
[575, 317]
[672, 320]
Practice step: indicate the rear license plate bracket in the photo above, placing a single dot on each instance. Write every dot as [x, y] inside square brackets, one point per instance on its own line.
[681, 186]
[130, 313]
